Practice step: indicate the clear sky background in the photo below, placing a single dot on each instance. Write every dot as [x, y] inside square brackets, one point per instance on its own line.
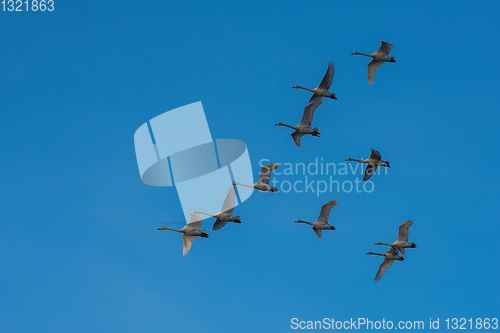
[79, 245]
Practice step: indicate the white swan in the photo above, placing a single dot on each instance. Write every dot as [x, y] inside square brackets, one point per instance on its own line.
[226, 213]
[379, 57]
[190, 232]
[374, 161]
[265, 176]
[390, 256]
[323, 90]
[402, 242]
[322, 221]
[304, 127]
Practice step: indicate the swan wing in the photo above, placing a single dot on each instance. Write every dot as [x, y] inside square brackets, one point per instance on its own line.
[384, 266]
[369, 171]
[372, 68]
[308, 115]
[326, 83]
[325, 211]
[296, 137]
[229, 201]
[219, 224]
[186, 243]
[315, 98]
[194, 223]
[375, 155]
[403, 231]
[385, 48]
[265, 173]
[318, 232]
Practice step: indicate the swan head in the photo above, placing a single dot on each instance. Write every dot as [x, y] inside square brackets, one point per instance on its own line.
[279, 124]
[348, 159]
[295, 87]
[354, 53]
[273, 189]
[378, 243]
[204, 233]
[392, 60]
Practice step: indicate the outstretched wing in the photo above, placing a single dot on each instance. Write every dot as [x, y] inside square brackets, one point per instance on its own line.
[372, 68]
[384, 266]
[369, 171]
[308, 115]
[265, 173]
[385, 48]
[296, 137]
[325, 211]
[326, 83]
[186, 243]
[375, 155]
[403, 231]
[229, 201]
[315, 98]
[194, 223]
[219, 224]
[318, 232]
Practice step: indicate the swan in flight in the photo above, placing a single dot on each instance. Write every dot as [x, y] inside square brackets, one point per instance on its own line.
[190, 232]
[379, 57]
[304, 127]
[265, 176]
[402, 242]
[226, 213]
[323, 90]
[322, 222]
[374, 161]
[390, 256]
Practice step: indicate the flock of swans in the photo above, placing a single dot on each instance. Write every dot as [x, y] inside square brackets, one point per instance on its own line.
[225, 215]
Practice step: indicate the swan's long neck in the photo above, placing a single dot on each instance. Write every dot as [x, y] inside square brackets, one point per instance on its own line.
[300, 221]
[376, 254]
[198, 212]
[163, 228]
[299, 87]
[280, 124]
[243, 185]
[367, 55]
[352, 159]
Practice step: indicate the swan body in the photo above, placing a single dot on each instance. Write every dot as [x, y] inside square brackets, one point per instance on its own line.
[379, 57]
[402, 242]
[323, 90]
[265, 176]
[322, 221]
[190, 232]
[304, 127]
[374, 161]
[390, 256]
[226, 213]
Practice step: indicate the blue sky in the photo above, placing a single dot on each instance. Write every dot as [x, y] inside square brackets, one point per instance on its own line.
[79, 246]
